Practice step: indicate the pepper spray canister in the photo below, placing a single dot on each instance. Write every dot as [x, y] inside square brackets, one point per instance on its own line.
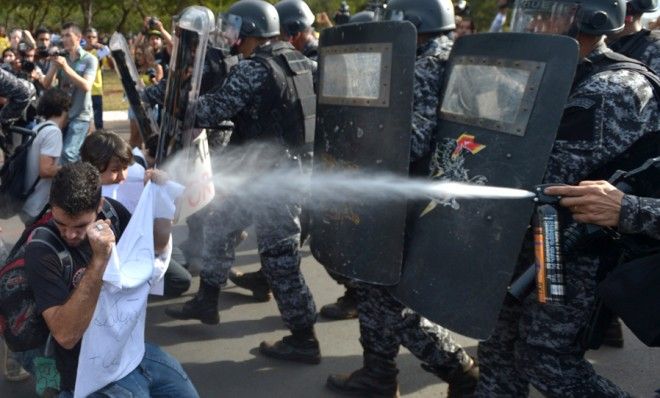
[550, 283]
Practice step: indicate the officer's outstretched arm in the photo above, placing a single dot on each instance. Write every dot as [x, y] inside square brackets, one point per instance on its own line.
[18, 92]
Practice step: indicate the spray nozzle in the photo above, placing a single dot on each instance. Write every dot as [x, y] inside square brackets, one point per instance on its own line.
[543, 198]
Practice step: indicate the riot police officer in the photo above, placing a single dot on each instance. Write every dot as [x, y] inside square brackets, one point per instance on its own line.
[296, 19]
[610, 113]
[385, 323]
[17, 92]
[252, 96]
[635, 41]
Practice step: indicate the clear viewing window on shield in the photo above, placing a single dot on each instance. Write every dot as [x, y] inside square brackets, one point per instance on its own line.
[492, 93]
[356, 75]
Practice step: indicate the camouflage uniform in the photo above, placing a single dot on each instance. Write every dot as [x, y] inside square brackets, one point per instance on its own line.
[640, 215]
[643, 46]
[385, 323]
[540, 343]
[276, 221]
[18, 92]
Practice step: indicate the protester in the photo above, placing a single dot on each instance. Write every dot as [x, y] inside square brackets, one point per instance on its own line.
[68, 307]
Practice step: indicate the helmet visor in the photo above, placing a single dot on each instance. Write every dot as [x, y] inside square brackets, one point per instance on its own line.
[227, 31]
[545, 16]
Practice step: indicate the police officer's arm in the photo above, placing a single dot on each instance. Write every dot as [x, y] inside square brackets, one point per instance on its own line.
[592, 202]
[640, 215]
[242, 85]
[67, 322]
[17, 92]
[155, 94]
[425, 106]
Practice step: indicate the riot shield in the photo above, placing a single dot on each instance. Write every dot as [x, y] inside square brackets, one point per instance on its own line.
[503, 99]
[364, 123]
[219, 60]
[191, 34]
[133, 85]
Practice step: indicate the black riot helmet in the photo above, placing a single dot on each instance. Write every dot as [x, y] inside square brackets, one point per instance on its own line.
[642, 6]
[428, 16]
[258, 18]
[362, 16]
[568, 17]
[295, 16]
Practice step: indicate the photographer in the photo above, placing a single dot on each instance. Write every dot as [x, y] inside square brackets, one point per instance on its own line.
[158, 39]
[43, 48]
[74, 73]
[26, 66]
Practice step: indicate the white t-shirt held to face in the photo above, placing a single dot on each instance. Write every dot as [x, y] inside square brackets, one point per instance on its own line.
[48, 142]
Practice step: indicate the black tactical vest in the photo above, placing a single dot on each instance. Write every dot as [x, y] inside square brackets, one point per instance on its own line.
[287, 110]
[635, 45]
[646, 147]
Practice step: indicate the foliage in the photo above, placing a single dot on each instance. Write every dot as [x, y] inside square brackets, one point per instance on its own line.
[127, 15]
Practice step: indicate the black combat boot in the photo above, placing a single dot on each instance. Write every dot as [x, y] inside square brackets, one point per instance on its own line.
[300, 346]
[462, 381]
[204, 306]
[344, 308]
[377, 378]
[613, 335]
[254, 281]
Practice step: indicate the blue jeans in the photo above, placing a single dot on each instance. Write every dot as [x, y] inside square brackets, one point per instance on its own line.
[158, 375]
[97, 107]
[74, 136]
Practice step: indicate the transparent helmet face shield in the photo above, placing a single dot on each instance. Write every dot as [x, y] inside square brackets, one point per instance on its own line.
[227, 31]
[545, 17]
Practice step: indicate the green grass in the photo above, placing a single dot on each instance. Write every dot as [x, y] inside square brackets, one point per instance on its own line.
[113, 92]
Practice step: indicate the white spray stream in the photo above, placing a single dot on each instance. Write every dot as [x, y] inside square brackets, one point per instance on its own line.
[257, 173]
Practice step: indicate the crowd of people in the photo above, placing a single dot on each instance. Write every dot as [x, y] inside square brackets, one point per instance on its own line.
[88, 181]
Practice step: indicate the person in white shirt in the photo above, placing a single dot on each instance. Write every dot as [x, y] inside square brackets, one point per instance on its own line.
[44, 154]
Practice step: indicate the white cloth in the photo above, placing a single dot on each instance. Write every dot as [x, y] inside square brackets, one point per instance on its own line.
[113, 344]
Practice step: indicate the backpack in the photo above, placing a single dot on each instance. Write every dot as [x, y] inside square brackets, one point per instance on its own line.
[22, 326]
[13, 189]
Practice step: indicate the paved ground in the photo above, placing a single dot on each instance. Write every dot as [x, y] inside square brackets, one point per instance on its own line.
[223, 361]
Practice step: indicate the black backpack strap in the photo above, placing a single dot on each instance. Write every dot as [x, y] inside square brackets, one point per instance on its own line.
[110, 213]
[634, 45]
[33, 186]
[49, 238]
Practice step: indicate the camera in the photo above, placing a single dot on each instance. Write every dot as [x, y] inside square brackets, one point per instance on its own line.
[27, 66]
[23, 47]
[56, 52]
[42, 52]
[151, 72]
[152, 23]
